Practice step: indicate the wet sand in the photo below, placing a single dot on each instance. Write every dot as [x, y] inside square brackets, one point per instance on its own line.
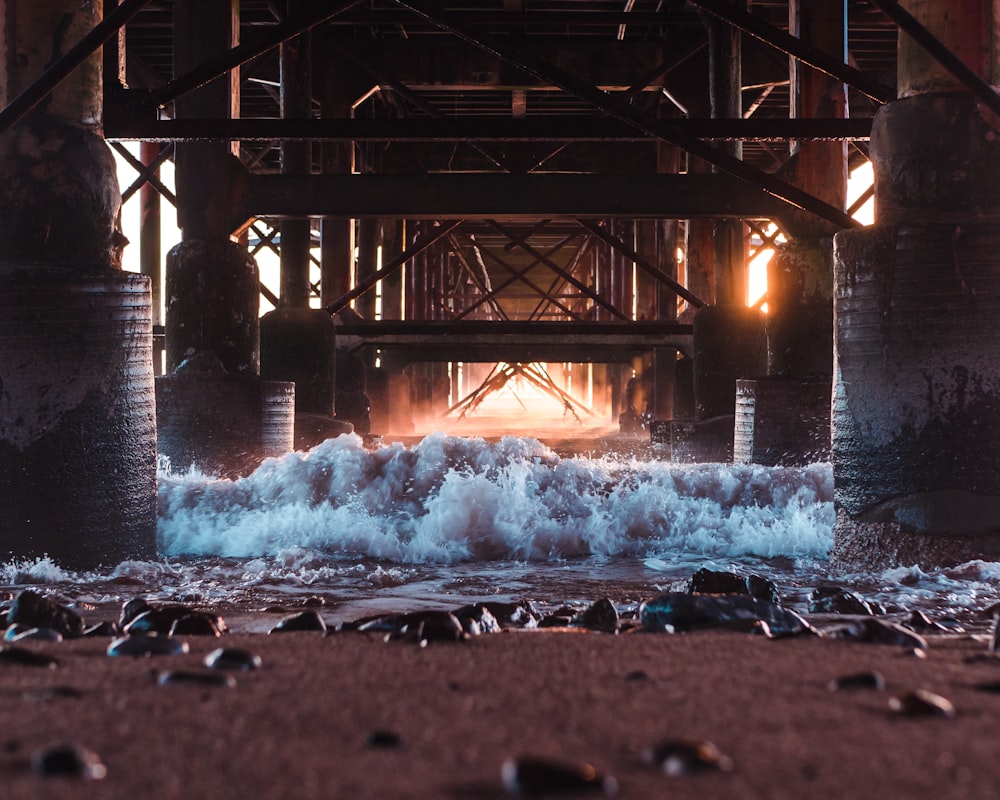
[299, 727]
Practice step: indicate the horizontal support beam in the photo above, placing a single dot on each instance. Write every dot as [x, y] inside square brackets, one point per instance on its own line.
[491, 195]
[490, 129]
[512, 341]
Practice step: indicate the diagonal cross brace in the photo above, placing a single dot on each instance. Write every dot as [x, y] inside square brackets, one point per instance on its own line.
[528, 63]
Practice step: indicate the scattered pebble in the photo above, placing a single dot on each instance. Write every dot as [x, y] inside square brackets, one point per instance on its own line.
[477, 619]
[68, 760]
[706, 581]
[147, 646]
[196, 624]
[871, 679]
[601, 616]
[102, 629]
[21, 634]
[35, 611]
[18, 655]
[308, 620]
[384, 738]
[188, 678]
[540, 777]
[231, 658]
[838, 600]
[922, 703]
[679, 757]
[877, 631]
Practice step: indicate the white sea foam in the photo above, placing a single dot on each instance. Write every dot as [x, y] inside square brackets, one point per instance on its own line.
[458, 499]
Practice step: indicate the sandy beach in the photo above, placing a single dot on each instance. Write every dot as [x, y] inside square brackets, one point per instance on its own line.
[302, 725]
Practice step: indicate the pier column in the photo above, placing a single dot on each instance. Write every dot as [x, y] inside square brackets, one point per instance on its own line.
[917, 363]
[213, 410]
[77, 424]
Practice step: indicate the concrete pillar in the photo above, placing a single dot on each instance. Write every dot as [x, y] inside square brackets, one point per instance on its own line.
[213, 410]
[77, 425]
[150, 250]
[393, 238]
[295, 100]
[917, 384]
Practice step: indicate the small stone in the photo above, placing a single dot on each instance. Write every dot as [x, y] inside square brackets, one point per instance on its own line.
[68, 760]
[876, 631]
[18, 655]
[308, 620]
[384, 738]
[922, 703]
[989, 686]
[994, 645]
[858, 680]
[32, 609]
[838, 600]
[679, 757]
[706, 581]
[540, 777]
[477, 619]
[147, 646]
[187, 678]
[515, 615]
[33, 635]
[102, 629]
[132, 609]
[601, 616]
[919, 621]
[196, 624]
[232, 658]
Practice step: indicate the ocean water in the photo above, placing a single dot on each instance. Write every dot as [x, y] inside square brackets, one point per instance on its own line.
[454, 519]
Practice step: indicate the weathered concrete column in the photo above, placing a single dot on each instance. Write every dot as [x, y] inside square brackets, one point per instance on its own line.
[213, 410]
[917, 383]
[77, 424]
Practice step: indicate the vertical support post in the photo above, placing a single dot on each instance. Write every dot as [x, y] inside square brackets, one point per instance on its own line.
[150, 255]
[295, 99]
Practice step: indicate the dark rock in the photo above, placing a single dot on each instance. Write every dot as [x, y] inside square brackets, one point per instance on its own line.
[429, 626]
[384, 738]
[308, 620]
[477, 619]
[102, 629]
[32, 634]
[706, 581]
[188, 678]
[68, 760]
[920, 622]
[32, 609]
[601, 616]
[994, 643]
[989, 686]
[162, 620]
[54, 693]
[540, 777]
[837, 600]
[197, 623]
[677, 612]
[637, 675]
[515, 615]
[876, 631]
[231, 658]
[29, 658]
[132, 609]
[678, 757]
[858, 680]
[141, 645]
[555, 621]
[922, 703]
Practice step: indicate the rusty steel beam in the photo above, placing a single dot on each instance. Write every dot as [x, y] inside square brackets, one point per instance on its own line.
[617, 244]
[947, 59]
[426, 240]
[246, 51]
[509, 53]
[579, 285]
[507, 196]
[791, 45]
[43, 86]
[472, 130]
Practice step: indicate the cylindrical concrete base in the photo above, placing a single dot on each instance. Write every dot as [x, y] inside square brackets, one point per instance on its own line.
[213, 299]
[299, 344]
[782, 422]
[77, 426]
[916, 447]
[221, 423]
[729, 343]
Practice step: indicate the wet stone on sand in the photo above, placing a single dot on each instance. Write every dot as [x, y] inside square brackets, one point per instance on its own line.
[68, 760]
[706, 581]
[680, 757]
[838, 600]
[29, 658]
[234, 659]
[189, 678]
[35, 611]
[305, 621]
[529, 776]
[142, 645]
[922, 703]
[871, 680]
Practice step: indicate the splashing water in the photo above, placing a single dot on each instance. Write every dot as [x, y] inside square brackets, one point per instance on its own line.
[458, 518]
